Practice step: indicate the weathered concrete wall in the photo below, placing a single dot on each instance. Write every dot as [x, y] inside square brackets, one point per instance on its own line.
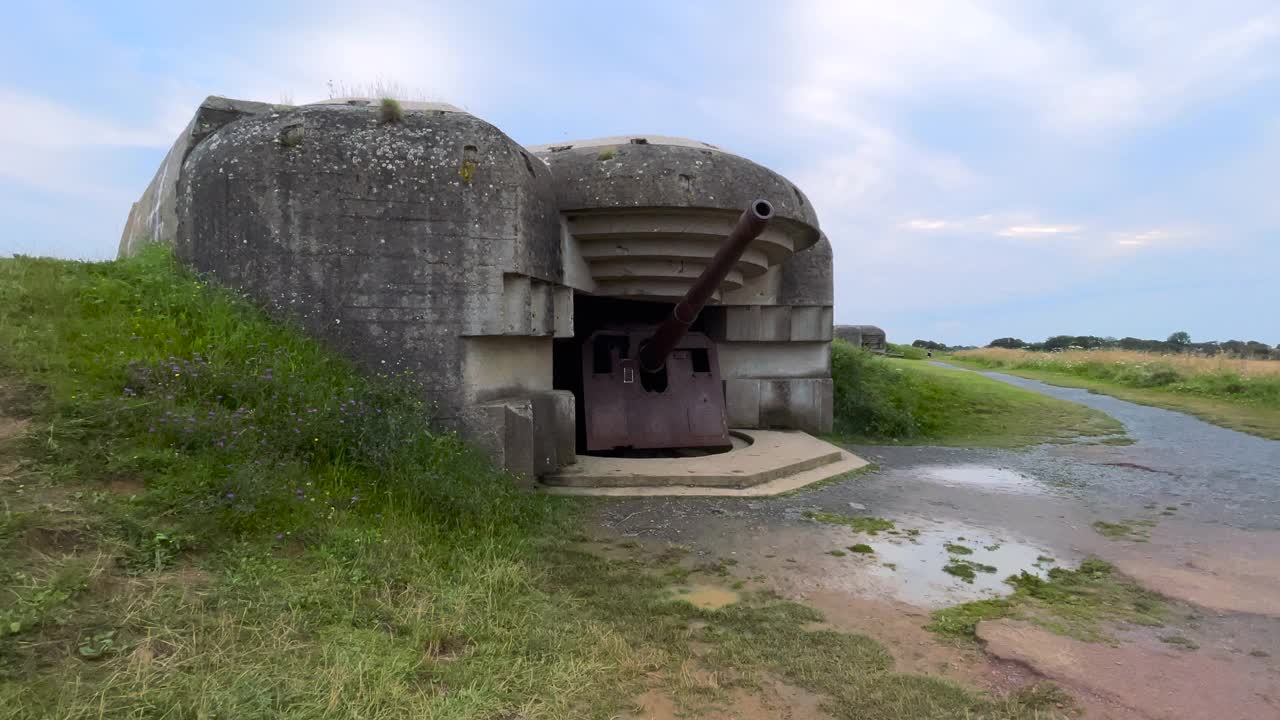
[392, 241]
[154, 218]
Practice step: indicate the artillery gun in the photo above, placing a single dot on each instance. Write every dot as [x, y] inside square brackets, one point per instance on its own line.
[651, 388]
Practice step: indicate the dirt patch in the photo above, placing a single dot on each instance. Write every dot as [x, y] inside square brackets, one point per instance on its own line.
[126, 486]
[775, 700]
[1143, 682]
[1225, 569]
[708, 597]
[11, 428]
[54, 540]
[900, 628]
[16, 402]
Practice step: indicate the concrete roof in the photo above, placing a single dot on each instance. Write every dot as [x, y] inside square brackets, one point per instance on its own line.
[638, 139]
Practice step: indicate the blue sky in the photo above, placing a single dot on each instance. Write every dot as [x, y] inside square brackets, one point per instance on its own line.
[983, 168]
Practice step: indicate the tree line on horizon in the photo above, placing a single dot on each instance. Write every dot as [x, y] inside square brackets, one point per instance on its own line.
[1178, 342]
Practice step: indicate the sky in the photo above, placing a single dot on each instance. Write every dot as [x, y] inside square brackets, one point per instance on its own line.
[983, 168]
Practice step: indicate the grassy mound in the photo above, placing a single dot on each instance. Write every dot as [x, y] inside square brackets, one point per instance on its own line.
[884, 399]
[205, 514]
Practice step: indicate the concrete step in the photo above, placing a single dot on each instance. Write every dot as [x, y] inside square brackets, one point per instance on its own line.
[772, 454]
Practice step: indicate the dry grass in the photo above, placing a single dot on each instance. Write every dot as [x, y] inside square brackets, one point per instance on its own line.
[1235, 393]
[1189, 364]
[380, 88]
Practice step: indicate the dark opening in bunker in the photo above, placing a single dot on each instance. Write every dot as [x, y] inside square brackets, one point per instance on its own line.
[608, 336]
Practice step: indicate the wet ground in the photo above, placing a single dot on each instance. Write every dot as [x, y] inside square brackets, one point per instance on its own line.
[1197, 509]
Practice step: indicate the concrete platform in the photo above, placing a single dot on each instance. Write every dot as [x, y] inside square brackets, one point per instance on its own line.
[774, 462]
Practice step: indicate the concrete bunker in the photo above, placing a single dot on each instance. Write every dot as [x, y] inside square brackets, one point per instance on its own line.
[508, 279]
[870, 337]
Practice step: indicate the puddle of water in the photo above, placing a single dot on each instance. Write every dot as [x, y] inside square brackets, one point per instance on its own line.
[979, 476]
[709, 597]
[915, 573]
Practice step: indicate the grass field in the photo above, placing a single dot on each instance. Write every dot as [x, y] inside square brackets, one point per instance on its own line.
[1239, 394]
[205, 514]
[909, 401]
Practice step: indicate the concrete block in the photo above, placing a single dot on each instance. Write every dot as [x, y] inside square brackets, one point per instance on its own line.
[503, 366]
[563, 309]
[564, 418]
[742, 402]
[516, 295]
[811, 323]
[774, 359]
[742, 323]
[541, 310]
[775, 323]
[800, 403]
[750, 323]
[545, 456]
[520, 446]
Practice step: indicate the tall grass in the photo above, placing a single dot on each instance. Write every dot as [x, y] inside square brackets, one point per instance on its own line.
[1221, 377]
[879, 399]
[183, 383]
[873, 399]
[1182, 362]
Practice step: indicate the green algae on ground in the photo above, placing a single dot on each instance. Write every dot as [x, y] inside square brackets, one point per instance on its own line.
[955, 549]
[1074, 603]
[862, 548]
[859, 523]
[966, 569]
[1181, 641]
[1136, 530]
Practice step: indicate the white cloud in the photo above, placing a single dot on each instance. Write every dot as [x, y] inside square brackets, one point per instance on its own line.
[1038, 230]
[924, 224]
[55, 148]
[1145, 237]
[1134, 65]
[35, 121]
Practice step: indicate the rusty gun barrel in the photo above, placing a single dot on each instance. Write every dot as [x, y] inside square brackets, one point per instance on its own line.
[654, 351]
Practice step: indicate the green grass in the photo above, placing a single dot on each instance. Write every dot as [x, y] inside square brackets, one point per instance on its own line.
[1256, 412]
[859, 523]
[209, 515]
[958, 549]
[1135, 530]
[390, 111]
[862, 549]
[1180, 641]
[908, 352]
[1076, 603]
[966, 570]
[880, 400]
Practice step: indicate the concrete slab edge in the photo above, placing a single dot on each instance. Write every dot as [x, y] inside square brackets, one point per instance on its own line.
[848, 462]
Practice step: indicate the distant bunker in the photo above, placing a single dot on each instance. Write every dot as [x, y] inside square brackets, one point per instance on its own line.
[869, 337]
[513, 282]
